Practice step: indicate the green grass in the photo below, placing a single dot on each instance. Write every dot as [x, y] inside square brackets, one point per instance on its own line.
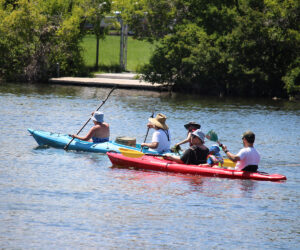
[138, 52]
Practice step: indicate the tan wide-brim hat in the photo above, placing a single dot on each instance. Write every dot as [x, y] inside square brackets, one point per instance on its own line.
[159, 121]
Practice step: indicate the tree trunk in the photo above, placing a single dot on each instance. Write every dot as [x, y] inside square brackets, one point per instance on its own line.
[125, 46]
[122, 46]
[97, 52]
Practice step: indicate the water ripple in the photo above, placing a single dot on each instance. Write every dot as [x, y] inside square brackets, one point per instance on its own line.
[50, 198]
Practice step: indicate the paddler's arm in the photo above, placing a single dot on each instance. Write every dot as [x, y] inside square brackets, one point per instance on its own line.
[87, 137]
[184, 141]
[231, 156]
[153, 145]
[173, 158]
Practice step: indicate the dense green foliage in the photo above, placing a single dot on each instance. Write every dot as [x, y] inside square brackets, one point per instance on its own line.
[232, 47]
[237, 47]
[38, 35]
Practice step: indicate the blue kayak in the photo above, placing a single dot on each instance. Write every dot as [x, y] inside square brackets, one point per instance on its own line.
[57, 140]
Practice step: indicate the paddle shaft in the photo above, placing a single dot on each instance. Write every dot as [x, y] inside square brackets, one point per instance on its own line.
[156, 155]
[147, 132]
[66, 147]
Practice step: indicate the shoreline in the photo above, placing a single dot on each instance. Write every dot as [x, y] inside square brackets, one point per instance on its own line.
[120, 80]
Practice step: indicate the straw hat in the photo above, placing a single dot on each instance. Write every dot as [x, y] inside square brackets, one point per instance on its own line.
[159, 121]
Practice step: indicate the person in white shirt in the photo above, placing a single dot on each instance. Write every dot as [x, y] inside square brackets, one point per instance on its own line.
[247, 158]
[161, 138]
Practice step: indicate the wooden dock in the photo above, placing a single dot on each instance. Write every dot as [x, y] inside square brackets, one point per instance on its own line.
[120, 80]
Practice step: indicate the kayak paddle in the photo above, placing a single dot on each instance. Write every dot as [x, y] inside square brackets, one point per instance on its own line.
[135, 154]
[212, 136]
[66, 147]
[147, 131]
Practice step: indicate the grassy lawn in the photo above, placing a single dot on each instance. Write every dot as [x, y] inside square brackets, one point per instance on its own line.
[138, 52]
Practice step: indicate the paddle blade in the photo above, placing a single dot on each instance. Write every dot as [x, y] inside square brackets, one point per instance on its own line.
[176, 149]
[228, 163]
[131, 153]
[212, 135]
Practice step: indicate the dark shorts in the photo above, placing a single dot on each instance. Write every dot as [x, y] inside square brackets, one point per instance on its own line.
[99, 140]
[250, 168]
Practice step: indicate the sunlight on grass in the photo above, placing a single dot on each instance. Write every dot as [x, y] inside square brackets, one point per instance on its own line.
[138, 52]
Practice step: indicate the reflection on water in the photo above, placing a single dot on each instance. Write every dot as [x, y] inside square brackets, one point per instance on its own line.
[67, 199]
[196, 183]
[178, 100]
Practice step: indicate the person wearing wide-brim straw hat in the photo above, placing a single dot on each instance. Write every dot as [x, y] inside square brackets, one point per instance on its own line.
[191, 127]
[161, 138]
[99, 132]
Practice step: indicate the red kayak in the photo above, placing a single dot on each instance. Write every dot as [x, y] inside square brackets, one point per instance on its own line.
[159, 164]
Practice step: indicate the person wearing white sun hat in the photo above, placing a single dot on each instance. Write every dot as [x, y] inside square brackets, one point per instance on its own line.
[196, 154]
[161, 138]
[99, 132]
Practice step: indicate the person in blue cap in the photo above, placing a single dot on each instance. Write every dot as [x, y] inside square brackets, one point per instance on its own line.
[99, 132]
[196, 154]
[214, 156]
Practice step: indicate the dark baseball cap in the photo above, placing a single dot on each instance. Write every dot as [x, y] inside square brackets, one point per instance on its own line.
[249, 136]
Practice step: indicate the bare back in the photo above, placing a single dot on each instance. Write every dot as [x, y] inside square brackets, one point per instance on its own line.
[101, 130]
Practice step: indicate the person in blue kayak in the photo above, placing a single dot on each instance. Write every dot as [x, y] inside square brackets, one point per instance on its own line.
[99, 132]
[247, 158]
[196, 154]
[190, 127]
[161, 138]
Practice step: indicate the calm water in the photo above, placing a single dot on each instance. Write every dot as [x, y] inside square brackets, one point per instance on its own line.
[50, 198]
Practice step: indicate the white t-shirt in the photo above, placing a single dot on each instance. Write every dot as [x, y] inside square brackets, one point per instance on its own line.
[248, 156]
[161, 137]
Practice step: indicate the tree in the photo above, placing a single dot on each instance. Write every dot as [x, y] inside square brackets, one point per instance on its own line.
[37, 36]
[149, 19]
[245, 47]
[264, 44]
[190, 58]
[154, 19]
[97, 12]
